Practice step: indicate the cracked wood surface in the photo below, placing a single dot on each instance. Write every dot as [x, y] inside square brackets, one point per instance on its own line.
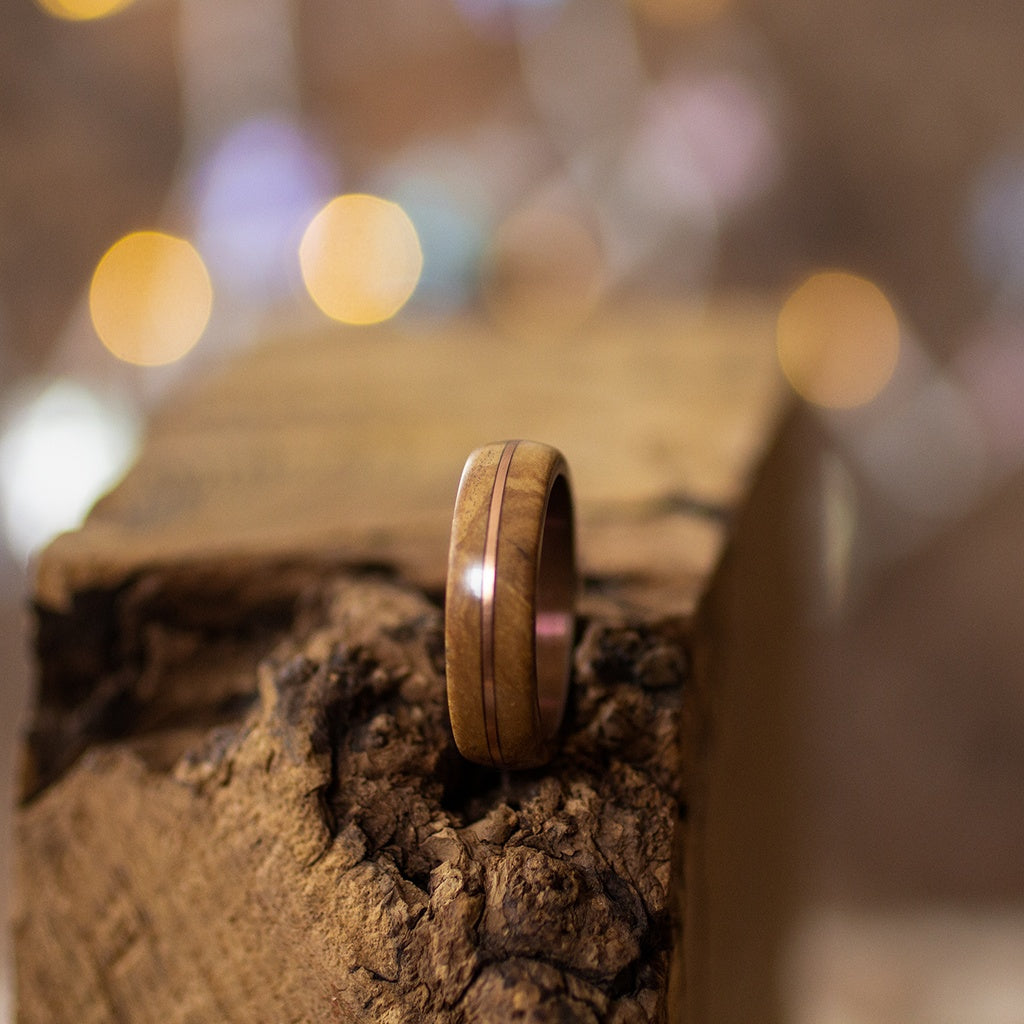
[330, 856]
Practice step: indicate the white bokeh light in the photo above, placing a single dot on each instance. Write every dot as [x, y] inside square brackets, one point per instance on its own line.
[60, 450]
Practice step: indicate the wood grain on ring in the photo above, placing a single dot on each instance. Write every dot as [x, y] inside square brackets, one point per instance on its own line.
[491, 611]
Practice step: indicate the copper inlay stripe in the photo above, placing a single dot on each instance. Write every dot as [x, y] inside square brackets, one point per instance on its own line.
[488, 578]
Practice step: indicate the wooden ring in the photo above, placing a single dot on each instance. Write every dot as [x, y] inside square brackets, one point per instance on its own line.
[509, 604]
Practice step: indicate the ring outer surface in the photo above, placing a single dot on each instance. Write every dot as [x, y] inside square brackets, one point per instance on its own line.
[522, 740]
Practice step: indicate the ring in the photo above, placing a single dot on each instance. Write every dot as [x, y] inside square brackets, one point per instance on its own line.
[509, 604]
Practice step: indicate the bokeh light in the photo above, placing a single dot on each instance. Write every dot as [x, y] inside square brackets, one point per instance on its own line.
[452, 241]
[661, 165]
[996, 224]
[255, 193]
[926, 451]
[150, 298]
[452, 230]
[725, 121]
[919, 450]
[507, 19]
[544, 274]
[361, 258]
[83, 10]
[447, 191]
[990, 368]
[661, 220]
[838, 340]
[62, 447]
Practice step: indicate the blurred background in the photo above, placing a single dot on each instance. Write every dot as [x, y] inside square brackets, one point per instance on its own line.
[179, 179]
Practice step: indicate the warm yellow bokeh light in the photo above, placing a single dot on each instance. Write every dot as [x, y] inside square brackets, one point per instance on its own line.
[681, 13]
[544, 274]
[361, 259]
[150, 298]
[83, 10]
[838, 340]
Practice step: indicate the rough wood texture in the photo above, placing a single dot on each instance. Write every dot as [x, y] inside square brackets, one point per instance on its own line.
[330, 856]
[197, 847]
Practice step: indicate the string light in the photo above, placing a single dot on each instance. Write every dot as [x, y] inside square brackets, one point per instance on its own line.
[838, 340]
[544, 274]
[361, 259]
[150, 298]
[60, 450]
[82, 10]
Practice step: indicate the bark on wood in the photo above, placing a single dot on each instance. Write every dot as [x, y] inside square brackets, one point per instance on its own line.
[328, 855]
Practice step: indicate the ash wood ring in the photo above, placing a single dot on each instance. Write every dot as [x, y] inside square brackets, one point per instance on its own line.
[509, 604]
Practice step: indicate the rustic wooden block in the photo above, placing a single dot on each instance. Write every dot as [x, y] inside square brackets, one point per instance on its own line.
[243, 801]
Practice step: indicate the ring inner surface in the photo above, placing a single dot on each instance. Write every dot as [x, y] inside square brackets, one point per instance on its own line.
[556, 589]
